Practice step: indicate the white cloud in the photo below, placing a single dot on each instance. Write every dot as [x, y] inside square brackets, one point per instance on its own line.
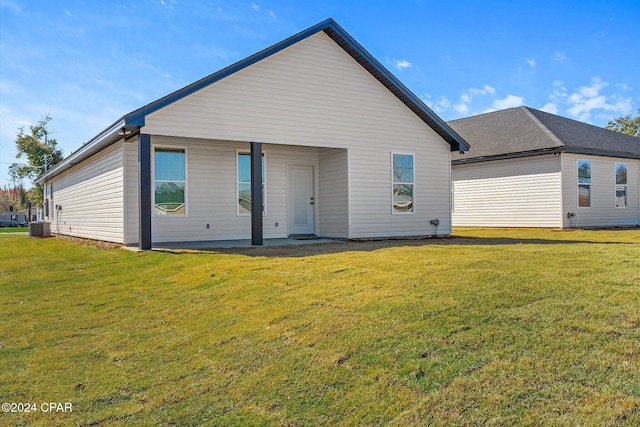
[550, 107]
[461, 108]
[590, 91]
[559, 92]
[439, 106]
[15, 7]
[131, 8]
[531, 62]
[9, 87]
[624, 86]
[166, 5]
[559, 56]
[272, 14]
[509, 102]
[467, 96]
[486, 90]
[401, 64]
[255, 7]
[587, 100]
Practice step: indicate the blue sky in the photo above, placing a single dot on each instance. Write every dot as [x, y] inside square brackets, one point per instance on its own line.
[87, 63]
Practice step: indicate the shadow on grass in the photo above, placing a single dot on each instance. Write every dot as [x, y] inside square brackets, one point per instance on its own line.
[312, 249]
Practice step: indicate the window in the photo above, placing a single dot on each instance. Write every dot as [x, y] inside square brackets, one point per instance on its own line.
[584, 183]
[170, 181]
[403, 183]
[621, 185]
[244, 184]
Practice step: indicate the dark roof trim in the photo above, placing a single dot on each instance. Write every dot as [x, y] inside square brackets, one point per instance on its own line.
[395, 86]
[346, 42]
[531, 153]
[607, 153]
[88, 149]
[137, 117]
[543, 151]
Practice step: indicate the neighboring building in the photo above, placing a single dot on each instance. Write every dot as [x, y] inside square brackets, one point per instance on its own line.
[528, 168]
[12, 218]
[341, 148]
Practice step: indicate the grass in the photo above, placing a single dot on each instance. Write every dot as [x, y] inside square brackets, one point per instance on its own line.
[14, 229]
[495, 327]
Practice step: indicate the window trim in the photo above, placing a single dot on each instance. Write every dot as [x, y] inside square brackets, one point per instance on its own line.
[264, 182]
[616, 185]
[186, 179]
[413, 184]
[583, 183]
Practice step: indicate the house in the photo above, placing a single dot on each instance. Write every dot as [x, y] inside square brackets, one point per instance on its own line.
[309, 136]
[529, 168]
[12, 218]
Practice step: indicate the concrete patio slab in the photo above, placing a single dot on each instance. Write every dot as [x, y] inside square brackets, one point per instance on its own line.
[232, 244]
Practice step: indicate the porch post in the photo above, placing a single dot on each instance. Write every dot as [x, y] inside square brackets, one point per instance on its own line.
[144, 191]
[256, 193]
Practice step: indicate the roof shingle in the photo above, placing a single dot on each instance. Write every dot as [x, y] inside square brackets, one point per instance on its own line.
[524, 131]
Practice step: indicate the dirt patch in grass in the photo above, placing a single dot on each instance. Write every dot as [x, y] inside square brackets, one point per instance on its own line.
[99, 244]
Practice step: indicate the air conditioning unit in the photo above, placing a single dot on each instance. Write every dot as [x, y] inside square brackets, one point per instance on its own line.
[39, 229]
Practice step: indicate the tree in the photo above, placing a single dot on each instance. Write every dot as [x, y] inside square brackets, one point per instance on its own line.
[13, 198]
[626, 124]
[38, 148]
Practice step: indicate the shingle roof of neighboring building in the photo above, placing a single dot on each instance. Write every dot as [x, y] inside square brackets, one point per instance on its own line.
[135, 119]
[524, 131]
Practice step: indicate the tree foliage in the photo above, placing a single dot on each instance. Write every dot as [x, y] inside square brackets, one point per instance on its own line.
[626, 124]
[15, 197]
[36, 147]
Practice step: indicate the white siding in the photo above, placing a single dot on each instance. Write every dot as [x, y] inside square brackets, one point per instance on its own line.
[602, 212]
[91, 198]
[333, 194]
[523, 192]
[371, 191]
[314, 94]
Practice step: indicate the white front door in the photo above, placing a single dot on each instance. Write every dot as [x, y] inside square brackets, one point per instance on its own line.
[301, 200]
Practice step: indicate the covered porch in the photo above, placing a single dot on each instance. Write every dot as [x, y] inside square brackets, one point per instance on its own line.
[238, 193]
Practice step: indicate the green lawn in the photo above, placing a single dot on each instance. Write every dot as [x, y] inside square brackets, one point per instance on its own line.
[14, 229]
[495, 327]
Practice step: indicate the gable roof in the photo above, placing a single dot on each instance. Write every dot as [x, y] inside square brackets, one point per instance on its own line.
[524, 131]
[136, 119]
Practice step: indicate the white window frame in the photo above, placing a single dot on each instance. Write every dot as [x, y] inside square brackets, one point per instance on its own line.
[616, 185]
[583, 183]
[186, 179]
[412, 183]
[264, 183]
